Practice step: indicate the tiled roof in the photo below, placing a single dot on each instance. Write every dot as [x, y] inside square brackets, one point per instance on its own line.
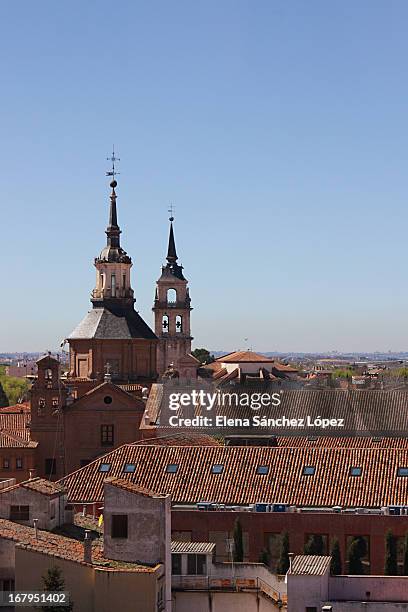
[244, 357]
[364, 411]
[182, 439]
[203, 548]
[62, 547]
[330, 485]
[115, 324]
[310, 565]
[40, 485]
[16, 408]
[15, 439]
[132, 487]
[14, 427]
[338, 442]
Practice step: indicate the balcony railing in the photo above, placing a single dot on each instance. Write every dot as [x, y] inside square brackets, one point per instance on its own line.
[237, 583]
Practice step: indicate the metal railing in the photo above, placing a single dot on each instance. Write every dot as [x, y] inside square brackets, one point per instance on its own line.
[237, 583]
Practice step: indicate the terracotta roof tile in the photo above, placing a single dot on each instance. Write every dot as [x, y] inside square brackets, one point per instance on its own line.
[40, 485]
[132, 487]
[244, 357]
[239, 483]
[182, 439]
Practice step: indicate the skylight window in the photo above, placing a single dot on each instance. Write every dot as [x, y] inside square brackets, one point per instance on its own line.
[217, 468]
[309, 470]
[172, 468]
[356, 471]
[402, 471]
[104, 467]
[129, 468]
[262, 469]
[377, 439]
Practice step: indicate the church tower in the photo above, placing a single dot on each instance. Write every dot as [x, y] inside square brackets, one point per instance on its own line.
[172, 307]
[113, 337]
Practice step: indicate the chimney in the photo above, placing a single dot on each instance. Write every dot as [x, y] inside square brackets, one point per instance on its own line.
[35, 522]
[290, 555]
[87, 547]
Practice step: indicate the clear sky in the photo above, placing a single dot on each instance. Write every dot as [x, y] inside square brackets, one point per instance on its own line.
[279, 130]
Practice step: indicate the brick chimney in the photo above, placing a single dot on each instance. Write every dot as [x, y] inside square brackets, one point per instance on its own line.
[87, 547]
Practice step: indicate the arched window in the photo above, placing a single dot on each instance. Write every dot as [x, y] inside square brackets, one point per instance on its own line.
[171, 296]
[165, 324]
[179, 324]
[113, 285]
[102, 280]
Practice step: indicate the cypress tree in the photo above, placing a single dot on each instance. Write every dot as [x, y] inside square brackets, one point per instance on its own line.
[391, 565]
[354, 555]
[54, 582]
[283, 563]
[238, 542]
[405, 565]
[314, 545]
[335, 564]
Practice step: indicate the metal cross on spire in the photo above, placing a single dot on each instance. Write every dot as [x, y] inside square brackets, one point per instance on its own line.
[171, 210]
[113, 159]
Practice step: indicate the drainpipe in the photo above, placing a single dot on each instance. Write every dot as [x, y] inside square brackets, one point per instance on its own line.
[35, 521]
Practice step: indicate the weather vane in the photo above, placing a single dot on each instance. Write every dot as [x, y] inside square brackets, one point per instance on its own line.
[171, 210]
[113, 159]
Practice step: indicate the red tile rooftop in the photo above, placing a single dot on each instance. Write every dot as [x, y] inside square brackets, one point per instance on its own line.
[63, 547]
[191, 478]
[127, 485]
[244, 357]
[40, 485]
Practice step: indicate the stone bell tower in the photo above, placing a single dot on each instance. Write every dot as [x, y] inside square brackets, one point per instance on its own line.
[172, 307]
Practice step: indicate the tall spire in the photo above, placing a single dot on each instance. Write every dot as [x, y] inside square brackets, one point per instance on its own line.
[171, 251]
[113, 231]
[113, 253]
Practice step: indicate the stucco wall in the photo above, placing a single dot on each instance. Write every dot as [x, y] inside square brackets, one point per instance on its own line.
[40, 507]
[79, 579]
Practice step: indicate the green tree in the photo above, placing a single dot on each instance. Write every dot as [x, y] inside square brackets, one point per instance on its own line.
[283, 563]
[3, 397]
[405, 564]
[335, 564]
[391, 565]
[16, 389]
[264, 557]
[53, 581]
[314, 545]
[203, 355]
[357, 550]
[238, 541]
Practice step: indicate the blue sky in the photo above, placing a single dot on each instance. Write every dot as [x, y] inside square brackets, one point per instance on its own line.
[277, 128]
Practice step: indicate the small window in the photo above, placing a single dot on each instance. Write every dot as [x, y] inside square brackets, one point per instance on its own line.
[172, 468]
[217, 469]
[129, 468]
[107, 437]
[312, 439]
[104, 467]
[19, 463]
[179, 324]
[50, 467]
[19, 513]
[262, 469]
[196, 565]
[377, 439]
[356, 471]
[119, 527]
[402, 471]
[165, 323]
[6, 463]
[107, 399]
[309, 470]
[176, 564]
